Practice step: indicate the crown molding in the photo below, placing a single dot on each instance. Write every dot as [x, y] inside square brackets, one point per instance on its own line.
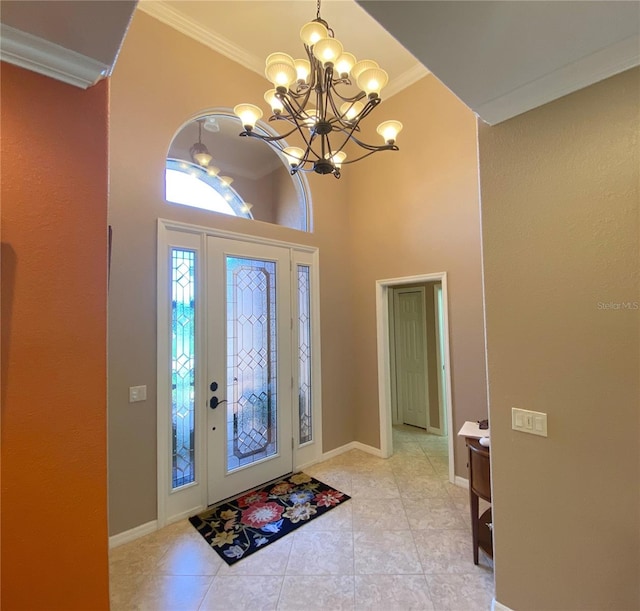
[47, 58]
[586, 71]
[404, 80]
[179, 21]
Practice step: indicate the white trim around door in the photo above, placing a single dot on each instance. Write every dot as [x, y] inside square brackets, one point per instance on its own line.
[384, 365]
[175, 503]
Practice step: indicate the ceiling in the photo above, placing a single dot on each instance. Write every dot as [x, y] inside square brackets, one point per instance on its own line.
[248, 31]
[501, 58]
[504, 58]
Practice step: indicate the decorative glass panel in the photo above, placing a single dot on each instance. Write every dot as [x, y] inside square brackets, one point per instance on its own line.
[251, 361]
[304, 354]
[183, 315]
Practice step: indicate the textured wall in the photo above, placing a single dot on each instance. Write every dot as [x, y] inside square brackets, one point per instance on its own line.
[145, 113]
[417, 212]
[54, 284]
[560, 199]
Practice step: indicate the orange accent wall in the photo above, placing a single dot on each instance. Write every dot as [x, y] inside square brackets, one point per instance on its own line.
[54, 288]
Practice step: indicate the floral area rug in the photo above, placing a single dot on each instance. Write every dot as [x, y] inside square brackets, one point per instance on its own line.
[238, 528]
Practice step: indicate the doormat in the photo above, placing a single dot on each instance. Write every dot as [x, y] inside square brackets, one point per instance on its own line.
[238, 528]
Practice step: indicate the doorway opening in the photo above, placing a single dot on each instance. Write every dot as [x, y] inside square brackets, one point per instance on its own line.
[414, 374]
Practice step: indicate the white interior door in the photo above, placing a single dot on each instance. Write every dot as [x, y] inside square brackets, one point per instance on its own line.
[411, 356]
[249, 346]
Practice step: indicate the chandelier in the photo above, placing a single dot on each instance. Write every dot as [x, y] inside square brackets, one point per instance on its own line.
[316, 97]
[201, 156]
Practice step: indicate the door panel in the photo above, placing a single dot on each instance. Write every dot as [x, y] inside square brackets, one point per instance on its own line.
[411, 356]
[249, 428]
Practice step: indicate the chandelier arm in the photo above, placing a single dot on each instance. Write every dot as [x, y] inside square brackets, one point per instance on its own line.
[268, 139]
[291, 103]
[374, 147]
[388, 147]
[355, 98]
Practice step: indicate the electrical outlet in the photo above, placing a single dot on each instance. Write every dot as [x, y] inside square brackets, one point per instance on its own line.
[137, 393]
[527, 421]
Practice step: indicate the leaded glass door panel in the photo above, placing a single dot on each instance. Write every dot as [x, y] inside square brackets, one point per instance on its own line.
[249, 361]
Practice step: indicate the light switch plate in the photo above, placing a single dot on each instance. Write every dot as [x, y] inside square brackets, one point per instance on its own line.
[527, 421]
[137, 393]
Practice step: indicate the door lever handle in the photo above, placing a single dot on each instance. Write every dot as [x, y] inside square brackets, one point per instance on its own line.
[214, 402]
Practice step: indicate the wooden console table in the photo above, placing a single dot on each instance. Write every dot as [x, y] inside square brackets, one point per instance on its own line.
[479, 488]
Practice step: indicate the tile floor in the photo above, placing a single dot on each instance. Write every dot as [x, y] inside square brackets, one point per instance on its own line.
[402, 542]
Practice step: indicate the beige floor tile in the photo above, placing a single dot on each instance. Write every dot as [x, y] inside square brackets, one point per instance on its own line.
[321, 593]
[466, 592]
[336, 477]
[339, 518]
[440, 463]
[385, 552]
[190, 555]
[457, 493]
[438, 513]
[434, 513]
[421, 486]
[379, 514]
[242, 593]
[163, 593]
[140, 556]
[403, 464]
[392, 593]
[407, 448]
[402, 542]
[446, 551]
[372, 486]
[321, 553]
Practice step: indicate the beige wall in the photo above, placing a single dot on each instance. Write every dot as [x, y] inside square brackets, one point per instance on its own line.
[560, 199]
[417, 212]
[366, 226]
[146, 110]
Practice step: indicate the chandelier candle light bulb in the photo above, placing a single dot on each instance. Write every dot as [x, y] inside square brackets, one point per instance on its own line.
[249, 115]
[312, 32]
[344, 64]
[318, 104]
[303, 68]
[389, 130]
[293, 155]
[271, 99]
[281, 74]
[327, 50]
[350, 110]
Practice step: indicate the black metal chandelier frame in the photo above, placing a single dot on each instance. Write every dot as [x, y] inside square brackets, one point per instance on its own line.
[320, 131]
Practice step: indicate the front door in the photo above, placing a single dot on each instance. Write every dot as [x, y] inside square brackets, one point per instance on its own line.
[249, 383]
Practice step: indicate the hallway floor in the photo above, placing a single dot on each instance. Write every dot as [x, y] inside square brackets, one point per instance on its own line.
[402, 542]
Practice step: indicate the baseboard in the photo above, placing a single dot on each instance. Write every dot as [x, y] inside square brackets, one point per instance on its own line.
[134, 533]
[496, 606]
[435, 431]
[185, 514]
[462, 482]
[353, 445]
